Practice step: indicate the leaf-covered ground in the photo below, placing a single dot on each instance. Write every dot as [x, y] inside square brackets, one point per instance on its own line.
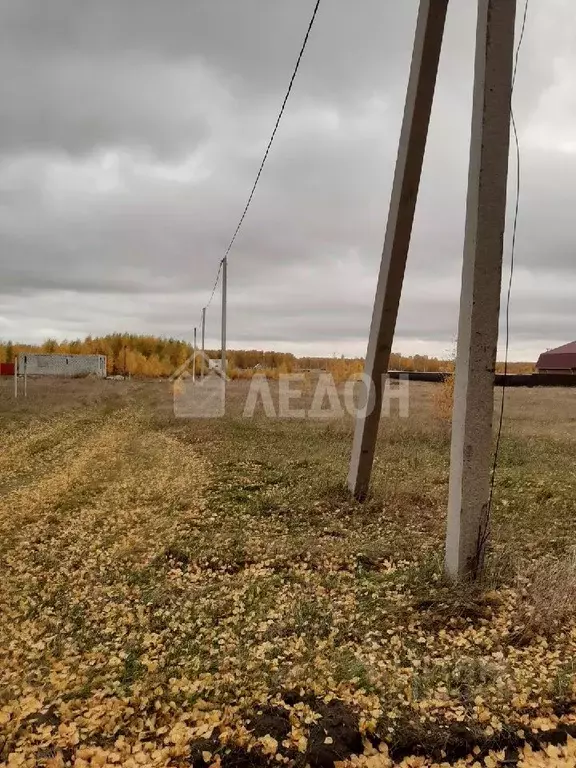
[204, 592]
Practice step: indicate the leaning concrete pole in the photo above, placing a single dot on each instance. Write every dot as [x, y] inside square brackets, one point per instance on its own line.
[194, 358]
[419, 97]
[468, 521]
[224, 301]
[202, 340]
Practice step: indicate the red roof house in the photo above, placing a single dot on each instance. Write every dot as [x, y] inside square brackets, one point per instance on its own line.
[559, 360]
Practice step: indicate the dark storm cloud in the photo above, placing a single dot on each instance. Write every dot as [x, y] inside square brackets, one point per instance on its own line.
[75, 105]
[85, 74]
[132, 132]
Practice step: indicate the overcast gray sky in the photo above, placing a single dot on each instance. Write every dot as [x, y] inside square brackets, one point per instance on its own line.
[131, 132]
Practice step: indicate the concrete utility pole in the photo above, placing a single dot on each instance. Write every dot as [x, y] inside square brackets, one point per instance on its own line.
[421, 85]
[224, 299]
[203, 338]
[194, 358]
[468, 521]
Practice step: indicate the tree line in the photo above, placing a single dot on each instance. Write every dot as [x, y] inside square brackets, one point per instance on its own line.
[154, 356]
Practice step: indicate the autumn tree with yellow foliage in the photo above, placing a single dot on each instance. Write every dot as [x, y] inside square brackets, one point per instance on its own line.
[154, 357]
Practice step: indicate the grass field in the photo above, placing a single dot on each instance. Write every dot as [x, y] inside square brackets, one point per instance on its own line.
[178, 592]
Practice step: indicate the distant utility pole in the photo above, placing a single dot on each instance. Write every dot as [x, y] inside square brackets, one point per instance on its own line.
[194, 358]
[203, 338]
[419, 98]
[224, 299]
[469, 492]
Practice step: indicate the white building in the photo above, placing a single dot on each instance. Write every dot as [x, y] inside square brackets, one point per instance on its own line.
[215, 364]
[61, 365]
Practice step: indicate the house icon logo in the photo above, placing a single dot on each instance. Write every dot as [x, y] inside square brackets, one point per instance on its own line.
[199, 388]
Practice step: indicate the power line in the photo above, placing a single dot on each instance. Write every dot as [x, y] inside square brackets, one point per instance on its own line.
[267, 152]
[512, 264]
[286, 97]
[215, 284]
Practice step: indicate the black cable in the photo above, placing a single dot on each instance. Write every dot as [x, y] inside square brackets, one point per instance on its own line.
[283, 107]
[272, 137]
[510, 280]
[215, 284]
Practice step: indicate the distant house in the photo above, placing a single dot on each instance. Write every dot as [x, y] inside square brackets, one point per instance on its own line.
[214, 364]
[34, 364]
[7, 369]
[559, 360]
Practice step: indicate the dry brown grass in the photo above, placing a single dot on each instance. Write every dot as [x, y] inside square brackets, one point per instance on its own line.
[549, 592]
[164, 580]
[444, 398]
